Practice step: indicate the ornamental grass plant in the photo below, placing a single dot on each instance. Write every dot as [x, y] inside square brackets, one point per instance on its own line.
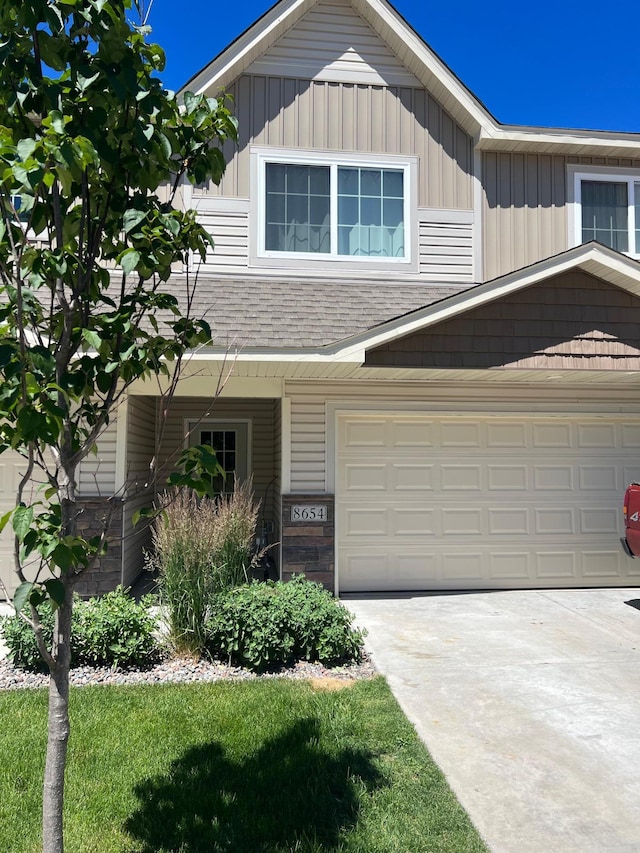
[201, 546]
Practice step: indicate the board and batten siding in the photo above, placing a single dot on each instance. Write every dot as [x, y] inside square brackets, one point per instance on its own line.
[525, 216]
[321, 115]
[141, 448]
[309, 411]
[259, 412]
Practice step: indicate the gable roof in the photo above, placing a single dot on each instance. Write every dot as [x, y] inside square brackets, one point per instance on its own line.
[427, 67]
[593, 258]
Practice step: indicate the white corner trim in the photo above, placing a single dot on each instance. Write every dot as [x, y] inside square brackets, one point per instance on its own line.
[285, 446]
[478, 224]
[122, 423]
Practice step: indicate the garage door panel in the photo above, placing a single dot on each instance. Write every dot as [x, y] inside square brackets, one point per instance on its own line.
[550, 435]
[599, 520]
[601, 436]
[413, 478]
[485, 503]
[600, 478]
[510, 522]
[507, 478]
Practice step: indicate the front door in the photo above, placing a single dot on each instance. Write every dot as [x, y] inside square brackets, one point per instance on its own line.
[230, 440]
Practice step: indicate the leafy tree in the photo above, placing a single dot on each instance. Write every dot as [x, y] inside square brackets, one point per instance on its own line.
[92, 153]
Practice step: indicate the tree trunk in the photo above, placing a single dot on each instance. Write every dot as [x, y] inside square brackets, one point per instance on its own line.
[58, 719]
[58, 730]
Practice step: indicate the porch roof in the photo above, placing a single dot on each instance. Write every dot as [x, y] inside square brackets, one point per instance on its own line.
[293, 313]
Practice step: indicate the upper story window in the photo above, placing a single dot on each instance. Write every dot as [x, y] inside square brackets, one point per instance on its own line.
[316, 208]
[607, 209]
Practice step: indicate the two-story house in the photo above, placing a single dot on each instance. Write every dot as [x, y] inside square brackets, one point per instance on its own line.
[431, 322]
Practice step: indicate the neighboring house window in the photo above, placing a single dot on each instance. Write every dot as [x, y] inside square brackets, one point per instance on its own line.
[607, 209]
[349, 209]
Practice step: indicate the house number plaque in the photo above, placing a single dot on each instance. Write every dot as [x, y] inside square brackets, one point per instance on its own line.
[308, 513]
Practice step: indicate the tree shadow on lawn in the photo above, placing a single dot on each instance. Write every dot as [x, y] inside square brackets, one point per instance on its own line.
[289, 795]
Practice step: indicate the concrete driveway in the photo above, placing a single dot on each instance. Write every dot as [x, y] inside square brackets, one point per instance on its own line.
[530, 704]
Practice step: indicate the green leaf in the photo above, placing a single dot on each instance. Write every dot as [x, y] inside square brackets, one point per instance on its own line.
[62, 556]
[92, 338]
[132, 218]
[22, 594]
[5, 520]
[129, 260]
[22, 521]
[56, 590]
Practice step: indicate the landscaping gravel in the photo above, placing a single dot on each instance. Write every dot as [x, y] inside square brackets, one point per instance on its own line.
[176, 669]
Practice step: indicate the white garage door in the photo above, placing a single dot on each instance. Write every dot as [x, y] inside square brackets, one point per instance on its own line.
[483, 502]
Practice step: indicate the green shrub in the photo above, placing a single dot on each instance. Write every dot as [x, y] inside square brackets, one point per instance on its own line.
[113, 630]
[202, 546]
[21, 641]
[262, 625]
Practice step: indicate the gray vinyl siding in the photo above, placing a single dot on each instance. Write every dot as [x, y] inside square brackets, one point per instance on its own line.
[525, 216]
[261, 415]
[445, 242]
[141, 447]
[229, 227]
[445, 250]
[97, 472]
[334, 116]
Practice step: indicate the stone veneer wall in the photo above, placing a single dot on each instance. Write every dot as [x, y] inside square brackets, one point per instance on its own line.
[309, 546]
[108, 573]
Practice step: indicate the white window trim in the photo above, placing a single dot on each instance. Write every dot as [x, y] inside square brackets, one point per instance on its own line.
[618, 174]
[260, 156]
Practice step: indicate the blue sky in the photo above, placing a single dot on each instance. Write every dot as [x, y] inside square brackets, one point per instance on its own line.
[559, 63]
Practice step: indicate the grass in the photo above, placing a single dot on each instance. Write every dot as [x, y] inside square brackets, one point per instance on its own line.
[267, 766]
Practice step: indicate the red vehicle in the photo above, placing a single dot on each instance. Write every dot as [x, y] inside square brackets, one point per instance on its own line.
[631, 510]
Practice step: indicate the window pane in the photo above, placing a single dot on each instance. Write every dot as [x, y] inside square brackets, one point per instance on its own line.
[348, 210]
[371, 182]
[301, 200]
[370, 211]
[605, 214]
[348, 181]
[298, 179]
[393, 183]
[275, 208]
[275, 177]
[371, 224]
[392, 212]
[319, 210]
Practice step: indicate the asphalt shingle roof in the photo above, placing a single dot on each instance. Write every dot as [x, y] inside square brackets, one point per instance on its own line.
[281, 313]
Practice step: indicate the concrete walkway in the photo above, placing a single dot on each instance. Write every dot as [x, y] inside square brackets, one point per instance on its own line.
[530, 704]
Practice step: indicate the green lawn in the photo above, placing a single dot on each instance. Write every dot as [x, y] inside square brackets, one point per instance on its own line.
[265, 766]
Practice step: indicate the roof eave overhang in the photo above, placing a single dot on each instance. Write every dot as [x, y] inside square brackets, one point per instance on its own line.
[544, 140]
